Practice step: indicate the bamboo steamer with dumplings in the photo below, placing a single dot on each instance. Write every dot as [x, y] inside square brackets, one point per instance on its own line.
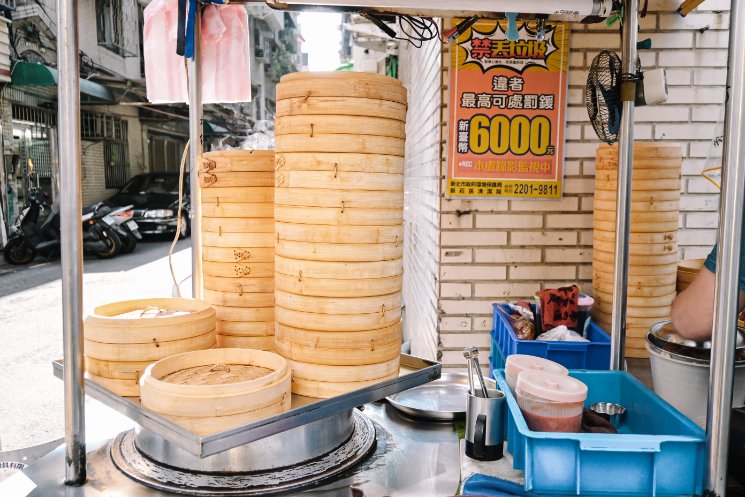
[123, 338]
[339, 229]
[238, 238]
[214, 390]
[653, 259]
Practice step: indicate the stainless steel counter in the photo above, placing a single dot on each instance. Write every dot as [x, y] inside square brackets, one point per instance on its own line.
[412, 459]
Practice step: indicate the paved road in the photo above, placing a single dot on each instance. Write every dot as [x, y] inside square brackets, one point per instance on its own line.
[31, 405]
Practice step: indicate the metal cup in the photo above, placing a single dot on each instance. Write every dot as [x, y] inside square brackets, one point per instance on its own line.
[485, 425]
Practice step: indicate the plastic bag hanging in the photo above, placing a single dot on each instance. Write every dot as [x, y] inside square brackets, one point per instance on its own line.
[225, 56]
[165, 74]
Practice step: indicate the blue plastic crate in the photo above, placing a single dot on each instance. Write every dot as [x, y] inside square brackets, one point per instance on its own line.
[594, 354]
[658, 451]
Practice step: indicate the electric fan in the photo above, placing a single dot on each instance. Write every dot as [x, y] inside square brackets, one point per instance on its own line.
[603, 96]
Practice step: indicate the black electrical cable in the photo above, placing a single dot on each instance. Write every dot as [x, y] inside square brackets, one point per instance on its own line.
[418, 30]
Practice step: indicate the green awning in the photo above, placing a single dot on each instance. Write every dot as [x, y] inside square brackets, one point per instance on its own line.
[35, 74]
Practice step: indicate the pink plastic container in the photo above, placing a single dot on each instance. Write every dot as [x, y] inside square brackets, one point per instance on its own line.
[551, 402]
[517, 363]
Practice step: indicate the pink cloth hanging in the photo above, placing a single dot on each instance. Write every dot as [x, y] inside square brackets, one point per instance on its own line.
[165, 71]
[226, 60]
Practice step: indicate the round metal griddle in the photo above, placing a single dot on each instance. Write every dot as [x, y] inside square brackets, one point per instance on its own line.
[442, 400]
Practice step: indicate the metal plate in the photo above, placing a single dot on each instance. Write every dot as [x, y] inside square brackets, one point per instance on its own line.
[442, 400]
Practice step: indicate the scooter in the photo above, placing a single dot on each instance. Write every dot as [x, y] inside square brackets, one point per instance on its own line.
[126, 228]
[29, 238]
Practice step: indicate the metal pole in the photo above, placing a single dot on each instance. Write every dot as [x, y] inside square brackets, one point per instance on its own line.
[195, 157]
[623, 199]
[728, 263]
[71, 206]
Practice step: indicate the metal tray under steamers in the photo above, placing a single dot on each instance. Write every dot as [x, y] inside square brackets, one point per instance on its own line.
[414, 372]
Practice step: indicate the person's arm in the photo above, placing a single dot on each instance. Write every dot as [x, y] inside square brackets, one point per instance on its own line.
[693, 308]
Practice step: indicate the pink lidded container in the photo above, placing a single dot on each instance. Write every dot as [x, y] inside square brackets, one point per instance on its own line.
[551, 402]
[517, 363]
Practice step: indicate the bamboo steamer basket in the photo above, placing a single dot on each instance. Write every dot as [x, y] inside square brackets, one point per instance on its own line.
[340, 252]
[328, 389]
[237, 254]
[662, 280]
[645, 150]
[239, 285]
[246, 342]
[340, 234]
[238, 269]
[654, 173]
[339, 348]
[232, 179]
[653, 227]
[237, 225]
[329, 180]
[226, 299]
[241, 195]
[635, 291]
[658, 270]
[338, 270]
[338, 199]
[641, 185]
[131, 370]
[153, 351]
[337, 322]
[641, 196]
[330, 305]
[145, 321]
[659, 312]
[611, 164]
[649, 206]
[259, 240]
[639, 216]
[336, 217]
[245, 314]
[366, 144]
[228, 161]
[330, 84]
[341, 106]
[211, 425]
[239, 210]
[344, 163]
[662, 300]
[637, 249]
[329, 287]
[670, 237]
[636, 260]
[351, 125]
[337, 374]
[245, 328]
[121, 387]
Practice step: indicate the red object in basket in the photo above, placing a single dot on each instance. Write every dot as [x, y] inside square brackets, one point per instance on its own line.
[559, 307]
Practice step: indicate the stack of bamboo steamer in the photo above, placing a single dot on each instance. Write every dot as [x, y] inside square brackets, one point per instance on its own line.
[653, 242]
[238, 245]
[688, 269]
[124, 338]
[339, 220]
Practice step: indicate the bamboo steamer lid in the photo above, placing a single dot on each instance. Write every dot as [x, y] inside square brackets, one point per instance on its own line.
[635, 291]
[636, 260]
[331, 305]
[149, 320]
[246, 342]
[153, 351]
[365, 144]
[638, 207]
[238, 225]
[340, 252]
[260, 240]
[131, 370]
[327, 389]
[241, 195]
[638, 238]
[328, 287]
[645, 150]
[352, 125]
[240, 210]
[611, 176]
[123, 388]
[346, 162]
[654, 227]
[322, 372]
[335, 322]
[336, 217]
[328, 180]
[236, 300]
[339, 199]
[245, 328]
[238, 269]
[611, 164]
[245, 314]
[328, 84]
[237, 254]
[641, 185]
[636, 280]
[338, 270]
[231, 179]
[238, 161]
[606, 299]
[638, 249]
[641, 196]
[658, 270]
[639, 216]
[239, 285]
[341, 106]
[340, 234]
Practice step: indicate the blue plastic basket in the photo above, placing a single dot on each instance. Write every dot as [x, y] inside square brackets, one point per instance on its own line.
[594, 354]
[658, 451]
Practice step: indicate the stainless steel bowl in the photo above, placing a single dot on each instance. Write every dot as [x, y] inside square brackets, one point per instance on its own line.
[615, 413]
[666, 332]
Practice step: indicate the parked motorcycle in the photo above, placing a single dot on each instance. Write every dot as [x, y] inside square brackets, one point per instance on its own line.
[29, 237]
[125, 227]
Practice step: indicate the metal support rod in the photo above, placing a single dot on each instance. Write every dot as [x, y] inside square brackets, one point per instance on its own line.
[726, 298]
[623, 194]
[195, 157]
[71, 206]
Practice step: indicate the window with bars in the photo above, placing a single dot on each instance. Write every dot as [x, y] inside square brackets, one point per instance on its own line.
[113, 132]
[109, 25]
